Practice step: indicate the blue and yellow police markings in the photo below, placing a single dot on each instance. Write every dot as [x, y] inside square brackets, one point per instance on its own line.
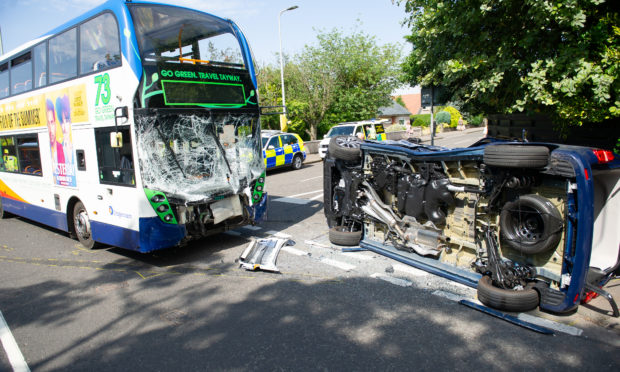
[280, 156]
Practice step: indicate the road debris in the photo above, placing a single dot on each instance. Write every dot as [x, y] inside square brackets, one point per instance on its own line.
[263, 253]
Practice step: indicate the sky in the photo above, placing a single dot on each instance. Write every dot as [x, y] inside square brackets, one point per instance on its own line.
[23, 20]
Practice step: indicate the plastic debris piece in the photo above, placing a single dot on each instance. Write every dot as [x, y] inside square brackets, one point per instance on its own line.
[263, 253]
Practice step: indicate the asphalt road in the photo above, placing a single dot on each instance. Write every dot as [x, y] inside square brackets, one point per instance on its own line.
[193, 308]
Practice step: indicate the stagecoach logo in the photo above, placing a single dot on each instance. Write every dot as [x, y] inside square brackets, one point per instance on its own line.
[117, 213]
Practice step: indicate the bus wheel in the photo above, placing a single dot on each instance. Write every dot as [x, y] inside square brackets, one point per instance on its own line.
[2, 214]
[81, 225]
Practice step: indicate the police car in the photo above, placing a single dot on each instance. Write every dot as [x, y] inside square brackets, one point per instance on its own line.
[282, 149]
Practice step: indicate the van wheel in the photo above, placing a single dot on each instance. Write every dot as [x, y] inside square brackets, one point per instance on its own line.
[516, 156]
[345, 148]
[507, 299]
[81, 226]
[531, 224]
[297, 162]
[341, 235]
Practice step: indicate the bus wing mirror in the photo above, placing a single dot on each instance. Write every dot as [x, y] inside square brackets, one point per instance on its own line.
[121, 113]
[116, 139]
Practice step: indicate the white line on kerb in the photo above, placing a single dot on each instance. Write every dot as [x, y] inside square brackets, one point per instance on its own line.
[10, 347]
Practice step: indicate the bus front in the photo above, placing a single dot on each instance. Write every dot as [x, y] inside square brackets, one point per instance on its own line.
[197, 124]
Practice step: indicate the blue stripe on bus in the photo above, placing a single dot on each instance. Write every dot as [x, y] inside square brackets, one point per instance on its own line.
[35, 213]
[154, 234]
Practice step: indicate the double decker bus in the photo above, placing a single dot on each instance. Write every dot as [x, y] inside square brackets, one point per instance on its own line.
[134, 125]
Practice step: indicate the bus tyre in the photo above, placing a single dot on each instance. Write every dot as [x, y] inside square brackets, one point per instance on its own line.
[2, 214]
[297, 162]
[341, 235]
[507, 299]
[345, 148]
[516, 156]
[531, 224]
[81, 225]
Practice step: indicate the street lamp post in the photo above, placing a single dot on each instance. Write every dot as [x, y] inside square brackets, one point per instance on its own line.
[283, 119]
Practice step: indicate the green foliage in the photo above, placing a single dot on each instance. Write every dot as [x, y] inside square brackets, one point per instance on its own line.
[395, 128]
[455, 116]
[340, 78]
[560, 57]
[400, 101]
[422, 120]
[442, 117]
[475, 120]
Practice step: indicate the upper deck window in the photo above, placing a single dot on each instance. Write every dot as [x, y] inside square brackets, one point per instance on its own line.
[99, 44]
[176, 35]
[63, 56]
[4, 80]
[40, 65]
[21, 74]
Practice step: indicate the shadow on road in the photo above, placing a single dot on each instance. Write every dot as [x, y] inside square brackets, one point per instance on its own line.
[178, 322]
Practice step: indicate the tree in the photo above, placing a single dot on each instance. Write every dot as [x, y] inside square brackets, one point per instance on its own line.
[560, 57]
[340, 78]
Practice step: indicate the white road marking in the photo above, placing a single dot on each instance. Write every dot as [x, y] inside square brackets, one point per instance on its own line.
[312, 178]
[393, 280]
[449, 295]
[316, 244]
[358, 255]
[573, 331]
[564, 328]
[253, 228]
[234, 233]
[305, 193]
[341, 265]
[410, 270]
[292, 200]
[296, 252]
[317, 197]
[10, 347]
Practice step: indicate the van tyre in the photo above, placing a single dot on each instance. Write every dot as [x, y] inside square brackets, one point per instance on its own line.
[345, 148]
[531, 224]
[507, 299]
[81, 226]
[297, 162]
[516, 156]
[341, 235]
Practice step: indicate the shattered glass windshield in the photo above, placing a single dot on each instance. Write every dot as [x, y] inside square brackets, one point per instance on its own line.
[198, 156]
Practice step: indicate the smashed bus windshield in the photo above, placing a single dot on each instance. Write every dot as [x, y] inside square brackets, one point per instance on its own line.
[190, 59]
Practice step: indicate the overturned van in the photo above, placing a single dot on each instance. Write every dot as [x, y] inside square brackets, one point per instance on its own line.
[527, 224]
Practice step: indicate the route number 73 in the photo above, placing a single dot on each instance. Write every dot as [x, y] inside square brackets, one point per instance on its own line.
[103, 81]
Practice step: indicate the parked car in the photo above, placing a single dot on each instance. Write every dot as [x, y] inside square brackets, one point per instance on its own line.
[282, 149]
[366, 129]
[528, 224]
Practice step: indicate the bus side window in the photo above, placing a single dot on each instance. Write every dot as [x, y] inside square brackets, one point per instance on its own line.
[99, 44]
[21, 73]
[63, 56]
[9, 155]
[29, 156]
[40, 65]
[115, 164]
[4, 80]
